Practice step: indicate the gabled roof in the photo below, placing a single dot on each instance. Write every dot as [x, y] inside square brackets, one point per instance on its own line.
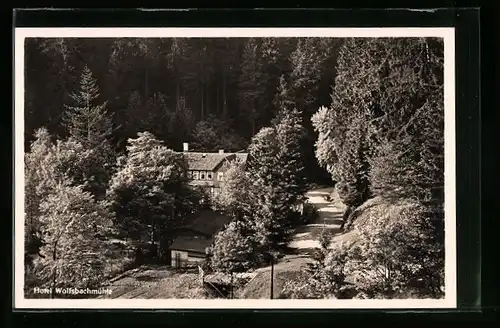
[242, 156]
[210, 161]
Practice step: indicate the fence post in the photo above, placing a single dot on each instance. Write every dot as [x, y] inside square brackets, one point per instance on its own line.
[201, 275]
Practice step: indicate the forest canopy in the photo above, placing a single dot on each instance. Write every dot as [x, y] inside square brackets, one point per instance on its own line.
[168, 85]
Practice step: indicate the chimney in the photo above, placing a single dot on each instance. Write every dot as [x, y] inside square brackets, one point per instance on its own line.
[185, 146]
[221, 151]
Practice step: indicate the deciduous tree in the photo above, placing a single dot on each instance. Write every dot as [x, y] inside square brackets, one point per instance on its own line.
[234, 249]
[149, 191]
[396, 255]
[234, 197]
[72, 253]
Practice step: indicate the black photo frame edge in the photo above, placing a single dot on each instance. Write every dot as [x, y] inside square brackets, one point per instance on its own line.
[468, 141]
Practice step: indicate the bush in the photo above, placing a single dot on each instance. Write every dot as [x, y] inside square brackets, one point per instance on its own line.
[396, 254]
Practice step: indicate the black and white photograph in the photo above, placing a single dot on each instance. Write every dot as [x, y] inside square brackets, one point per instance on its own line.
[239, 168]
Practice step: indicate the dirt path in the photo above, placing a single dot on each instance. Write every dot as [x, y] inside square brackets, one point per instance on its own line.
[330, 217]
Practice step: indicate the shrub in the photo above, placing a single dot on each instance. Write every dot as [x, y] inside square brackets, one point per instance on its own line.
[396, 254]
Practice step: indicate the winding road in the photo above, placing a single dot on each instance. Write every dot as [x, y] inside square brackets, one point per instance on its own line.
[330, 217]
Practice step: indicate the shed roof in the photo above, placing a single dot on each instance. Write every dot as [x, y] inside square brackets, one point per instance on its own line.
[202, 226]
[196, 244]
[210, 161]
[208, 221]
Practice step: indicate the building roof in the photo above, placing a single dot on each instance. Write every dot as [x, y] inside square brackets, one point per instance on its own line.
[208, 222]
[242, 156]
[196, 244]
[210, 161]
[202, 226]
[204, 183]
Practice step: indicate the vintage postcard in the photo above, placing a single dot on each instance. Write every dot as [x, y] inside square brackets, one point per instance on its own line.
[176, 168]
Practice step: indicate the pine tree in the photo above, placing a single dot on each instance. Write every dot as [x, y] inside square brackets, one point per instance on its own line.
[312, 62]
[181, 124]
[250, 88]
[291, 135]
[91, 125]
[283, 100]
[307, 60]
[213, 134]
[271, 67]
[343, 144]
[86, 121]
[384, 131]
[276, 166]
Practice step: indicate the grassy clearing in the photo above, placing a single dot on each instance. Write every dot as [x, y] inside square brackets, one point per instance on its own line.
[288, 269]
[156, 282]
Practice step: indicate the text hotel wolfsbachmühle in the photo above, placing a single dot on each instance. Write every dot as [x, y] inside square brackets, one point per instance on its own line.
[72, 291]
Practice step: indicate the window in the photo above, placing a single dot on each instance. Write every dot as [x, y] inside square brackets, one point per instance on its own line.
[209, 175]
[202, 175]
[196, 175]
[190, 174]
[220, 176]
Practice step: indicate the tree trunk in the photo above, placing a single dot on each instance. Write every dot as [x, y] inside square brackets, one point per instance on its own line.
[254, 114]
[146, 78]
[202, 113]
[177, 97]
[231, 296]
[224, 97]
[347, 218]
[218, 99]
[152, 236]
[207, 102]
[54, 274]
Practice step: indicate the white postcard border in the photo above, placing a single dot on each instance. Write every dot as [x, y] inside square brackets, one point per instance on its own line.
[450, 300]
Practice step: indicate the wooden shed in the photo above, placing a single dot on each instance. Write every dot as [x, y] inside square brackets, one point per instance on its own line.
[189, 248]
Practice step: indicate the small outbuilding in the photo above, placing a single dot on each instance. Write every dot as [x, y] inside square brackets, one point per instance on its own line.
[189, 248]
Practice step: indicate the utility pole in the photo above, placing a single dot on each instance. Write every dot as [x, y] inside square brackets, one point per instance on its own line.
[231, 287]
[272, 275]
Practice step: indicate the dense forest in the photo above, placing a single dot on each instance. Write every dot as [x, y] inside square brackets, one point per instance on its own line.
[104, 118]
[214, 93]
